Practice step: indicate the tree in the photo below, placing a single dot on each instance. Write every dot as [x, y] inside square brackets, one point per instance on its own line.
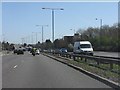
[56, 43]
[0, 46]
[48, 44]
[38, 45]
[106, 39]
[11, 46]
[25, 44]
[5, 45]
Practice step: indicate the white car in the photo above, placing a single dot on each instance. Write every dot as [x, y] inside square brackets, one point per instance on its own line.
[37, 52]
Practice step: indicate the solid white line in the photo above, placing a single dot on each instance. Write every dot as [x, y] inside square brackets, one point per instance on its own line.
[15, 66]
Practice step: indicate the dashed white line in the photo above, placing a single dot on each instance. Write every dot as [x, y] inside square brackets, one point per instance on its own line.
[15, 66]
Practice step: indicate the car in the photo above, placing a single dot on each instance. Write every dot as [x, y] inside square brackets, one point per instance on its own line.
[20, 51]
[40, 49]
[15, 51]
[63, 50]
[24, 49]
[83, 47]
[49, 50]
[37, 52]
[56, 51]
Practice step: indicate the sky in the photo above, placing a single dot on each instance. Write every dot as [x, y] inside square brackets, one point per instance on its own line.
[19, 19]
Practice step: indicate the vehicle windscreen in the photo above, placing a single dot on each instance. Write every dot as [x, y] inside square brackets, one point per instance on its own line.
[85, 46]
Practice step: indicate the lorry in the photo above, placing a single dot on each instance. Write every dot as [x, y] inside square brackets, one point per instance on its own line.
[83, 47]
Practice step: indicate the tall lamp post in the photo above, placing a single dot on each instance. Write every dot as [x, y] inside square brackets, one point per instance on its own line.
[42, 30]
[101, 21]
[32, 38]
[73, 30]
[36, 35]
[22, 40]
[53, 9]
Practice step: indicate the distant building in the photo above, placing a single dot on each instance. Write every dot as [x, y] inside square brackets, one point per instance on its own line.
[68, 39]
[72, 39]
[77, 37]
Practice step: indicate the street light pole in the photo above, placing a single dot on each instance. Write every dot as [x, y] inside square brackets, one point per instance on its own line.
[26, 39]
[100, 27]
[42, 34]
[53, 25]
[100, 23]
[32, 39]
[53, 19]
[42, 30]
[22, 40]
[36, 35]
[73, 30]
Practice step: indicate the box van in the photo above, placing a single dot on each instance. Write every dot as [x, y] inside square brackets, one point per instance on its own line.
[83, 47]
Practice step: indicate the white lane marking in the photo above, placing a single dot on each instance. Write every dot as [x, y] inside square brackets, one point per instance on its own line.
[15, 66]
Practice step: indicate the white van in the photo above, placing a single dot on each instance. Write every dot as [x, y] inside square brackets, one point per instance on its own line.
[83, 47]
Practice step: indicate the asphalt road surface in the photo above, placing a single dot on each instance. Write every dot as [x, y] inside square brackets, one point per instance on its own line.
[27, 71]
[107, 54]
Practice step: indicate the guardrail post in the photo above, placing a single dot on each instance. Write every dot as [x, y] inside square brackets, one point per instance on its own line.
[98, 62]
[85, 59]
[60, 54]
[111, 66]
[7, 52]
[70, 56]
[74, 58]
[81, 58]
[66, 55]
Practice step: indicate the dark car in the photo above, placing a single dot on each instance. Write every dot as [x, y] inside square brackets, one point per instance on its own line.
[24, 49]
[63, 50]
[56, 51]
[20, 51]
[15, 51]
